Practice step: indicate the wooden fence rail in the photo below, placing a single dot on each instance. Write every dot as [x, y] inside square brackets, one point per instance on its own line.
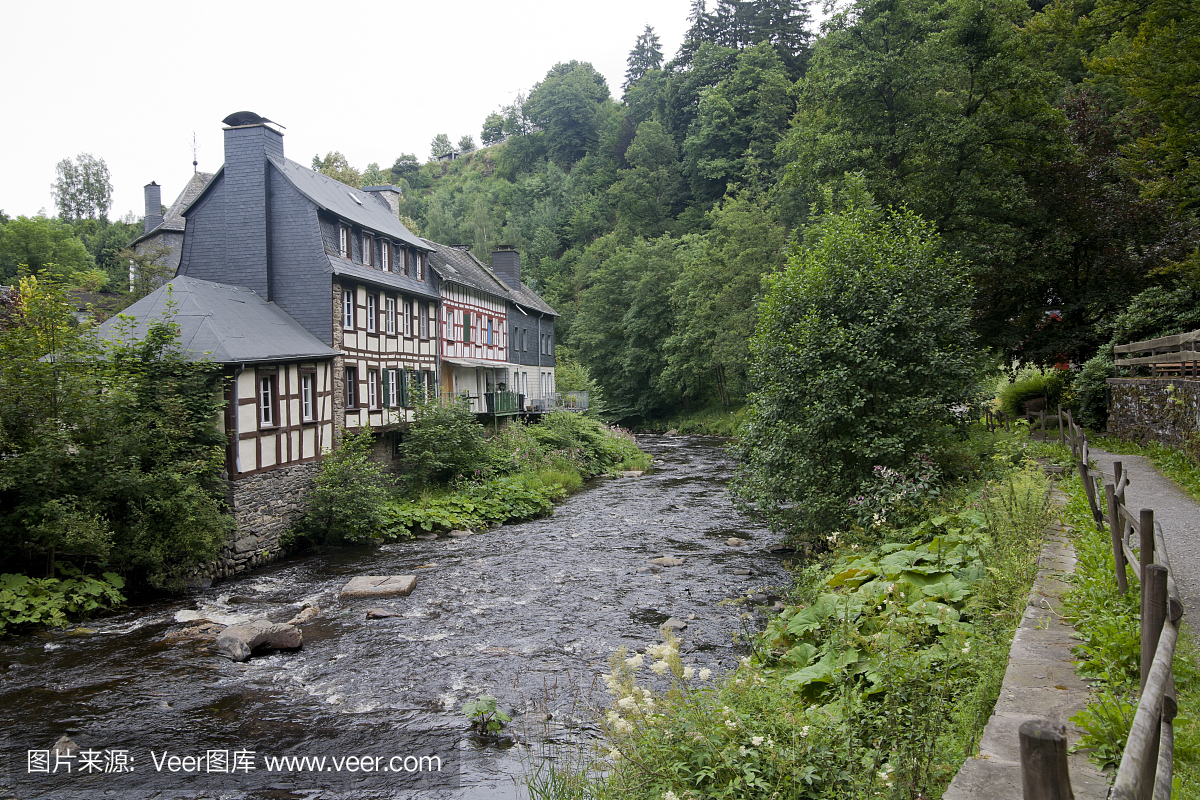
[1177, 355]
[1145, 771]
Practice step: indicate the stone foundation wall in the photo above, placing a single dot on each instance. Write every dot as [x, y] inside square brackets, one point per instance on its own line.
[1165, 410]
[263, 507]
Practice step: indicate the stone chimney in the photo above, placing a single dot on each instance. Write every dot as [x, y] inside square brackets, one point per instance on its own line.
[506, 263]
[154, 216]
[388, 195]
[247, 148]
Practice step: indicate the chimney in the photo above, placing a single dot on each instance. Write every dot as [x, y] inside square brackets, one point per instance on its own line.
[388, 195]
[154, 216]
[247, 148]
[506, 262]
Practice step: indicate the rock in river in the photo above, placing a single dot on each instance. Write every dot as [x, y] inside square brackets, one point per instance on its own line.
[667, 561]
[237, 641]
[380, 586]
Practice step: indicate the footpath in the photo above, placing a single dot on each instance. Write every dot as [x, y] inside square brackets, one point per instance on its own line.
[1040, 681]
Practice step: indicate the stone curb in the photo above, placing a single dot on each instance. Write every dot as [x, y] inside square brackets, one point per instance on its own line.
[1040, 682]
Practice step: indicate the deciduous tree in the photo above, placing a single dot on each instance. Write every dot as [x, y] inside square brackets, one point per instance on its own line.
[83, 188]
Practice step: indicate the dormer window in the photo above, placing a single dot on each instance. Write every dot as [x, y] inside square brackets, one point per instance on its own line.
[385, 252]
[344, 241]
[368, 243]
[348, 309]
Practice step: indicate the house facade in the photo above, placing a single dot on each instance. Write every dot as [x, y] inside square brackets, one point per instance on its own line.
[531, 334]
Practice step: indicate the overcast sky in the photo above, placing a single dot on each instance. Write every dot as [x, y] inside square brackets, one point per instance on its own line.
[130, 82]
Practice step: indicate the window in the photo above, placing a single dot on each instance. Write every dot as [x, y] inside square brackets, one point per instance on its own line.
[408, 318]
[488, 340]
[344, 241]
[466, 323]
[348, 309]
[368, 251]
[391, 388]
[351, 388]
[308, 382]
[268, 401]
[372, 388]
[372, 307]
[431, 310]
[416, 323]
[424, 320]
[385, 255]
[417, 263]
[391, 316]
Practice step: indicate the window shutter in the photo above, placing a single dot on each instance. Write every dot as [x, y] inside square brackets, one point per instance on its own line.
[402, 377]
[387, 403]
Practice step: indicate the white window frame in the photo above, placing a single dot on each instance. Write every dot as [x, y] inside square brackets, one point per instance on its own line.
[372, 389]
[393, 389]
[390, 316]
[385, 255]
[348, 302]
[351, 388]
[266, 402]
[372, 311]
[422, 320]
[308, 381]
[344, 246]
[408, 317]
[431, 312]
[368, 249]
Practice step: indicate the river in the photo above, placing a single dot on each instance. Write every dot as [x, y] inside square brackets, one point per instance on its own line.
[529, 613]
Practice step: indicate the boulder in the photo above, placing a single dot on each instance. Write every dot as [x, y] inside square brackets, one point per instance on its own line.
[237, 641]
[673, 624]
[427, 537]
[65, 747]
[459, 534]
[733, 541]
[381, 613]
[632, 473]
[667, 561]
[307, 614]
[743, 572]
[380, 586]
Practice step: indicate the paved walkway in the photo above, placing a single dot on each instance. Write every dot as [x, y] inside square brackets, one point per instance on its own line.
[1178, 514]
[1040, 683]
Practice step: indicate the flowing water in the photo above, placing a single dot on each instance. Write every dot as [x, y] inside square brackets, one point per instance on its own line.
[529, 613]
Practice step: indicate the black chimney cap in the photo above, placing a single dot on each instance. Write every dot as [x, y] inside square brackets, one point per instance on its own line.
[245, 118]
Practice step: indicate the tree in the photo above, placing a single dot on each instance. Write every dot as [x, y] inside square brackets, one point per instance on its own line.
[862, 351]
[646, 55]
[29, 245]
[405, 166]
[374, 175]
[440, 146]
[466, 144]
[350, 493]
[570, 104]
[647, 192]
[148, 269]
[493, 129]
[337, 166]
[83, 188]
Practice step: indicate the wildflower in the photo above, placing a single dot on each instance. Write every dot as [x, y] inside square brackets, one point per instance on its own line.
[649, 703]
[705, 674]
[745, 661]
[635, 661]
[804, 732]
[614, 754]
[627, 703]
[756, 741]
[670, 796]
[726, 711]
[730, 724]
[966, 648]
[689, 673]
[660, 667]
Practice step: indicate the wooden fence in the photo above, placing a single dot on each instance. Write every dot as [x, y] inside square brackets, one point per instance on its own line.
[1167, 356]
[1145, 771]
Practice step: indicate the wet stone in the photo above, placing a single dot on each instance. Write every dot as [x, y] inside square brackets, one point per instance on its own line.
[743, 572]
[427, 537]
[673, 624]
[382, 613]
[380, 586]
[667, 561]
[237, 642]
[459, 534]
[733, 541]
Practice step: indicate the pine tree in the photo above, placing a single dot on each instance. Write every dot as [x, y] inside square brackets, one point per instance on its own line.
[646, 55]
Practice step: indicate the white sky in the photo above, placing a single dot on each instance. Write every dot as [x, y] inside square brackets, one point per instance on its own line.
[130, 82]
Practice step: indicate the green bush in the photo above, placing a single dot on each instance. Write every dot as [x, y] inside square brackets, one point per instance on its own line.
[1039, 384]
[862, 351]
[349, 496]
[26, 601]
[1092, 387]
[444, 443]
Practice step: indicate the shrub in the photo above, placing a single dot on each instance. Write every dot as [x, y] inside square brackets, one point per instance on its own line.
[348, 501]
[443, 443]
[862, 350]
[1092, 387]
[1038, 384]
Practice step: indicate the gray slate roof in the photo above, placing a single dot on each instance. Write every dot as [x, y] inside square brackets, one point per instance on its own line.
[377, 277]
[173, 220]
[227, 324]
[347, 202]
[460, 266]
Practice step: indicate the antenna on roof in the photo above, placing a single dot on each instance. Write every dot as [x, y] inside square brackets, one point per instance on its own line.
[195, 147]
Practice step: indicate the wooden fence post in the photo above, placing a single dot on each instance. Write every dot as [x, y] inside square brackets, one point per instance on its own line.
[1062, 435]
[1071, 425]
[1042, 414]
[1154, 613]
[1044, 774]
[1116, 529]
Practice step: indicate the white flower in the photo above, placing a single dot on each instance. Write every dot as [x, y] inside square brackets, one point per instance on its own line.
[660, 667]
[622, 726]
[649, 703]
[730, 724]
[804, 732]
[705, 674]
[966, 648]
[635, 661]
[756, 741]
[614, 754]
[670, 796]
[689, 673]
[726, 711]
[745, 661]
[646, 694]
[627, 703]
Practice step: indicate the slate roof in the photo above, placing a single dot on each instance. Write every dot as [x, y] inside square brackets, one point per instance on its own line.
[173, 220]
[347, 202]
[394, 280]
[460, 266]
[228, 324]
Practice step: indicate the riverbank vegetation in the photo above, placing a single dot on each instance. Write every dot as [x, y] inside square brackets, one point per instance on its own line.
[454, 476]
[874, 681]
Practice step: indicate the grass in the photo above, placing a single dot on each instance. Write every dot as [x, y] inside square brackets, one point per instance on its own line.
[1109, 651]
[1175, 464]
[718, 421]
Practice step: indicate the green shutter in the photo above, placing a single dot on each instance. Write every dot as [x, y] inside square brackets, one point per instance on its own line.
[386, 385]
[402, 377]
[466, 327]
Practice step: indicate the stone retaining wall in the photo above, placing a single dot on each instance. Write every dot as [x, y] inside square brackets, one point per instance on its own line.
[263, 507]
[1166, 410]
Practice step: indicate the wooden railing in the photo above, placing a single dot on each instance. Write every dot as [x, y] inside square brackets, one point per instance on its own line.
[1146, 767]
[1177, 355]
